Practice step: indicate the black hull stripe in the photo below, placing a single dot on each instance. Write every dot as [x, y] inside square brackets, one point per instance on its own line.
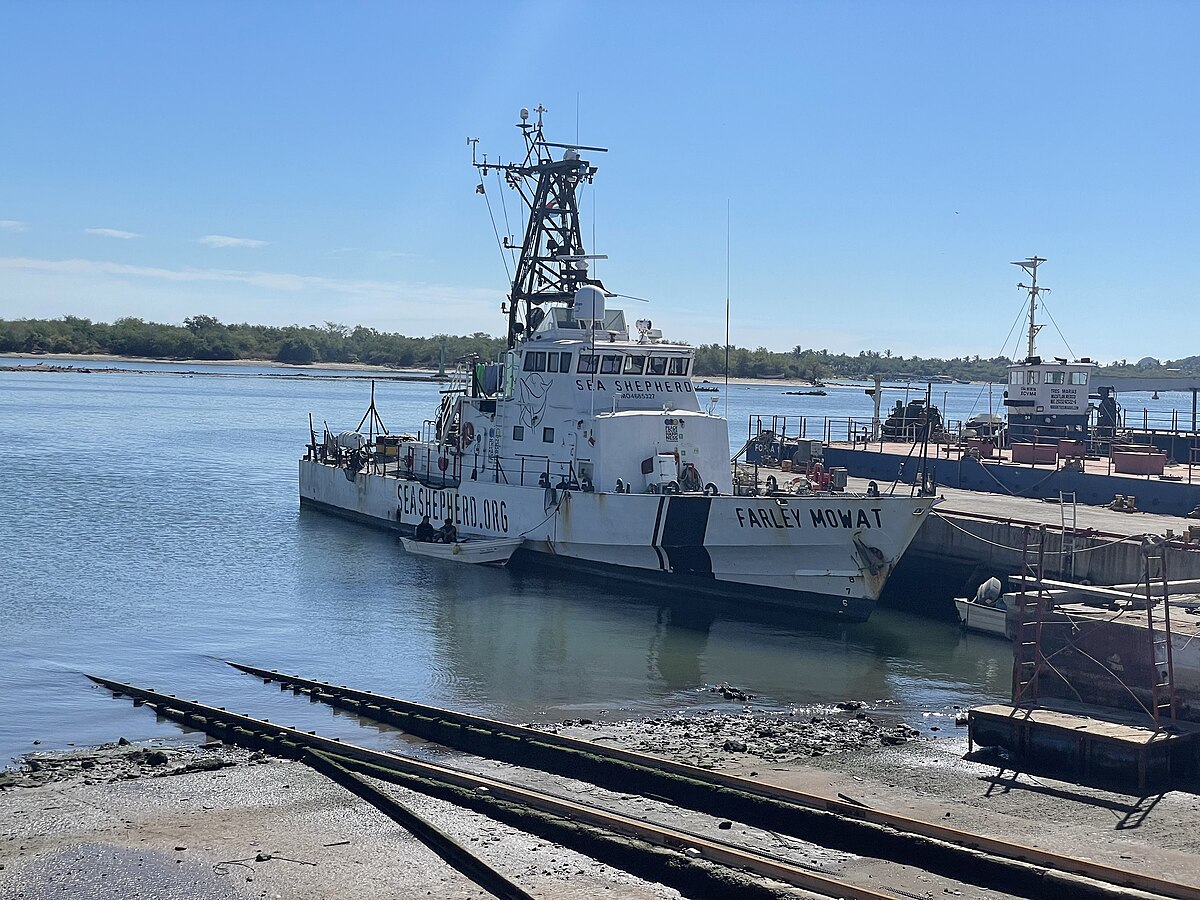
[683, 535]
[654, 541]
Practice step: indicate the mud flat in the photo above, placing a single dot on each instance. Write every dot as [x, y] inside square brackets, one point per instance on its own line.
[176, 820]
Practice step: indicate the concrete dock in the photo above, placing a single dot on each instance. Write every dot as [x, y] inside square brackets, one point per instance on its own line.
[972, 535]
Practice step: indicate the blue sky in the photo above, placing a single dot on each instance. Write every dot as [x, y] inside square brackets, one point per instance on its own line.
[883, 163]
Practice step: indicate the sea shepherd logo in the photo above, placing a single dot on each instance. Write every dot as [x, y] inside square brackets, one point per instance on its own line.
[439, 505]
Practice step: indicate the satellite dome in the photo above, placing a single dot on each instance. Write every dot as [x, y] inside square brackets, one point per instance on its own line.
[589, 303]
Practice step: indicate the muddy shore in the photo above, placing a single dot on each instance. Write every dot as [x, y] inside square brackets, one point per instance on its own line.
[177, 819]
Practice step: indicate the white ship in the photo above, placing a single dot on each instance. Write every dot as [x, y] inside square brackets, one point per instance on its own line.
[588, 440]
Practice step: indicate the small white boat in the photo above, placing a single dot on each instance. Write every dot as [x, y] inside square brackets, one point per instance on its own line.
[977, 616]
[478, 551]
[986, 612]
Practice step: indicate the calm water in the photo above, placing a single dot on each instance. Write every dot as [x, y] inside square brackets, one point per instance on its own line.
[149, 528]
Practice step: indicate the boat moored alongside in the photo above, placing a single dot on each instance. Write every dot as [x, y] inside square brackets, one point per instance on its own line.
[474, 551]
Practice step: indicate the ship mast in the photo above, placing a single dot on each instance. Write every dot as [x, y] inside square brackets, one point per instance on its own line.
[553, 264]
[1030, 265]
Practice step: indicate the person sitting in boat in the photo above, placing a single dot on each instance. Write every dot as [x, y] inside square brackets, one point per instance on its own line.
[425, 533]
[447, 534]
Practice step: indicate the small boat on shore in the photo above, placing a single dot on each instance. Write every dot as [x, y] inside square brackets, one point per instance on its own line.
[477, 551]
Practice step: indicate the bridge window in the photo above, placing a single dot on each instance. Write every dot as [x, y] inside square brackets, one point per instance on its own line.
[678, 365]
[657, 366]
[535, 360]
[1017, 377]
[1055, 377]
[610, 365]
[1035, 377]
[564, 362]
[1079, 378]
[587, 363]
[634, 364]
[552, 362]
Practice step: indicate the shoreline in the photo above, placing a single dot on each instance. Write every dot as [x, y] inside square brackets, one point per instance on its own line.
[54, 362]
[213, 820]
[262, 363]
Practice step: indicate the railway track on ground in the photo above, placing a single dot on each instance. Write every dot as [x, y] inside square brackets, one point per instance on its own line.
[671, 855]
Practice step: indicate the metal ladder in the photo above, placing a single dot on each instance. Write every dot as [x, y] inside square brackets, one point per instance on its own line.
[1162, 688]
[1028, 659]
[1067, 511]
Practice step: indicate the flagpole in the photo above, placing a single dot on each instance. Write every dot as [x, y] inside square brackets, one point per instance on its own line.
[727, 309]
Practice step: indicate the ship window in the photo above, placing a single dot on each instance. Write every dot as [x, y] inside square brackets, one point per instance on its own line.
[1035, 377]
[548, 435]
[535, 361]
[610, 365]
[634, 364]
[1079, 378]
[657, 366]
[564, 362]
[552, 362]
[518, 432]
[678, 365]
[587, 363]
[1055, 377]
[1016, 377]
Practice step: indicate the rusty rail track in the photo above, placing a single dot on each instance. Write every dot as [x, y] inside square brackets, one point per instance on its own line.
[974, 858]
[642, 848]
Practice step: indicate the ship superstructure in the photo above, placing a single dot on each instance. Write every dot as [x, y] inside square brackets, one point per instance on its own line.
[1047, 400]
[587, 438]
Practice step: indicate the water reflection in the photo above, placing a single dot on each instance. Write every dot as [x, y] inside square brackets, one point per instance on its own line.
[152, 530]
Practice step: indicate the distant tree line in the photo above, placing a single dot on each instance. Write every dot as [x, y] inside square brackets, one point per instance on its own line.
[206, 338]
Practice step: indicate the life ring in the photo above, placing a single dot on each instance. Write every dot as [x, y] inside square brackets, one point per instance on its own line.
[794, 485]
[772, 484]
[456, 549]
[711, 489]
[468, 435]
[443, 463]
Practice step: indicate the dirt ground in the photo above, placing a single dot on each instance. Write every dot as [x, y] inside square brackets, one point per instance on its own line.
[175, 820]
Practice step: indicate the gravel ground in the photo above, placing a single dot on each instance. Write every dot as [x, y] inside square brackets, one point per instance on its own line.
[175, 820]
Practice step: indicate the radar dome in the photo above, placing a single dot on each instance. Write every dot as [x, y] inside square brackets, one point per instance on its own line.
[589, 303]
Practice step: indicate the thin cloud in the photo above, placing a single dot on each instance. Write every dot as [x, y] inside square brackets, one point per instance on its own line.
[222, 240]
[351, 289]
[12, 225]
[112, 233]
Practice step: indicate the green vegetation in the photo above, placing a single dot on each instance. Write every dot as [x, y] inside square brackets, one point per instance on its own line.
[205, 338]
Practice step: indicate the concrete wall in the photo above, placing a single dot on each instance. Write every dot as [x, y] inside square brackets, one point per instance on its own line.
[1163, 497]
[994, 548]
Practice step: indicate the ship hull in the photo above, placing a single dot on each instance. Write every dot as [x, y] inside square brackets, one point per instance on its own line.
[828, 554]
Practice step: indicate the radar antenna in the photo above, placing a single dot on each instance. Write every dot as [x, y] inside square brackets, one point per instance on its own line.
[553, 264]
[1030, 265]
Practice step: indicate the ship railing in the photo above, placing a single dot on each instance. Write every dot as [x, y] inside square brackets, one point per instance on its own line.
[1166, 421]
